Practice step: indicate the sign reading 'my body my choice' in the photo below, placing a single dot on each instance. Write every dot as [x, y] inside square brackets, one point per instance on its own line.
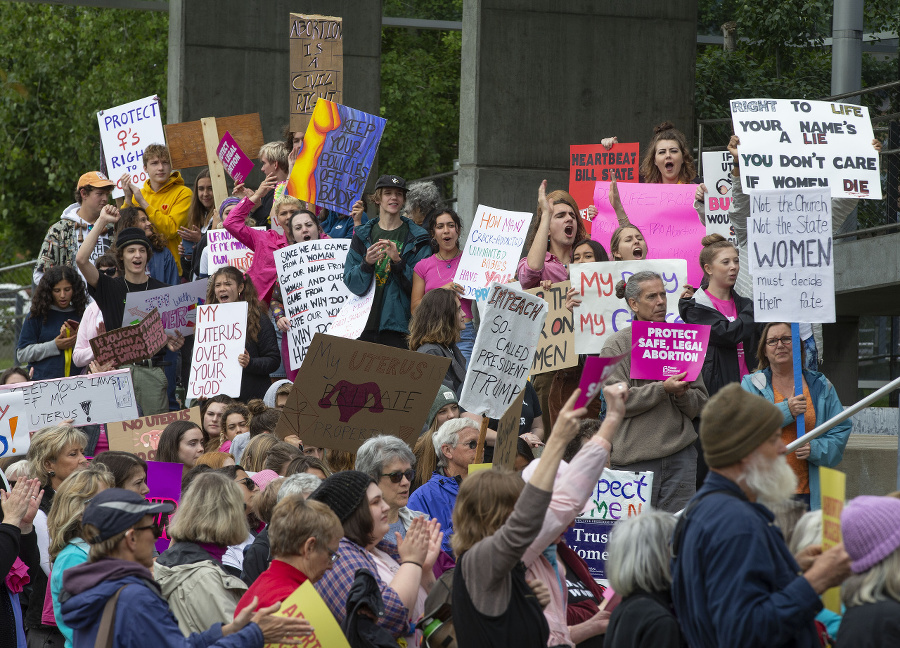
[125, 131]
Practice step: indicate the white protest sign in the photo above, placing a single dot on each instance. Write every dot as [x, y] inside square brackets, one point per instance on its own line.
[793, 144]
[791, 256]
[492, 250]
[220, 338]
[125, 131]
[177, 306]
[601, 313]
[12, 420]
[313, 291]
[225, 250]
[351, 321]
[94, 398]
[504, 350]
[718, 180]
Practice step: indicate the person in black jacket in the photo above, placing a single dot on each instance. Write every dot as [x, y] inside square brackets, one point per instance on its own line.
[17, 538]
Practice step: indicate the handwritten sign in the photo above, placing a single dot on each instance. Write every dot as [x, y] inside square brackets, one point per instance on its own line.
[504, 350]
[12, 411]
[795, 144]
[589, 163]
[177, 306]
[556, 348]
[492, 250]
[225, 250]
[791, 256]
[661, 350]
[351, 321]
[311, 275]
[833, 486]
[164, 482]
[596, 370]
[506, 445]
[601, 313]
[130, 343]
[717, 176]
[305, 603]
[140, 436]
[125, 131]
[237, 163]
[93, 398]
[317, 65]
[220, 339]
[337, 154]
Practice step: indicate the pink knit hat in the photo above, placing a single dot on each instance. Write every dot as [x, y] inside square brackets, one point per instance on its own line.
[871, 529]
[263, 477]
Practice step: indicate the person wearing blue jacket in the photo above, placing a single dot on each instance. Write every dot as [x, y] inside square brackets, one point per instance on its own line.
[338, 226]
[775, 382]
[121, 529]
[385, 251]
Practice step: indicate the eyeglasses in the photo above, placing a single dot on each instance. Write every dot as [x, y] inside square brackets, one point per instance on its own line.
[471, 445]
[157, 532]
[332, 555]
[249, 483]
[785, 340]
[397, 476]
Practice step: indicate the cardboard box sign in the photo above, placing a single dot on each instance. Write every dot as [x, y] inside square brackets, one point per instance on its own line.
[140, 436]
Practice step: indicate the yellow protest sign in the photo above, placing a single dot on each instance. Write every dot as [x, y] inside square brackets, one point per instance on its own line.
[305, 603]
[832, 484]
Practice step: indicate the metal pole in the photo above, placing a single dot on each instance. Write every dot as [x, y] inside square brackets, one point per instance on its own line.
[846, 48]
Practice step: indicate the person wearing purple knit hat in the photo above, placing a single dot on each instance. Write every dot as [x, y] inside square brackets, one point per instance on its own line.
[871, 530]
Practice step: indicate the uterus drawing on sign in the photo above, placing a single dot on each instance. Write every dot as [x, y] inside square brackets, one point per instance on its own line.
[352, 398]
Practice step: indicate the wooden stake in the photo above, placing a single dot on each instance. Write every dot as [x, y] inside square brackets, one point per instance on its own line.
[216, 170]
[482, 434]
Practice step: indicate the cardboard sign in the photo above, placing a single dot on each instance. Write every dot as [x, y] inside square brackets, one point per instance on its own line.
[664, 214]
[236, 163]
[833, 487]
[601, 313]
[556, 348]
[188, 142]
[130, 343]
[12, 411]
[348, 391]
[92, 398]
[794, 144]
[164, 482]
[220, 339]
[317, 65]
[177, 306]
[140, 436]
[659, 351]
[507, 441]
[718, 180]
[225, 250]
[305, 603]
[789, 239]
[596, 370]
[589, 163]
[337, 154]
[125, 131]
[492, 250]
[504, 350]
[313, 291]
[351, 320]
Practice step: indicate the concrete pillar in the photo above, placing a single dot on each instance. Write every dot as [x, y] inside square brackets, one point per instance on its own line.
[538, 76]
[846, 48]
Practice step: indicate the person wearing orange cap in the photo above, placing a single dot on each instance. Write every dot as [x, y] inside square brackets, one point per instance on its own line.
[66, 235]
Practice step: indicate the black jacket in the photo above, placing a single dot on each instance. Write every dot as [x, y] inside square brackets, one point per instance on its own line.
[456, 373]
[265, 356]
[256, 557]
[873, 625]
[364, 599]
[644, 619]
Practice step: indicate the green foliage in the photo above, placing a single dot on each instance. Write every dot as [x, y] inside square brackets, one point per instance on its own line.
[60, 65]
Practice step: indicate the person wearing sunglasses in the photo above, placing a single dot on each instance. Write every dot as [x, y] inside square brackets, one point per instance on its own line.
[818, 402]
[454, 444]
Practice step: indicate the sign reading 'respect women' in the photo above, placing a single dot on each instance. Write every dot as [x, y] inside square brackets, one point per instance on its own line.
[125, 131]
[492, 250]
[348, 391]
[601, 313]
[717, 167]
[661, 350]
[504, 350]
[793, 144]
[589, 163]
[317, 65]
[220, 339]
[791, 256]
[177, 306]
[556, 348]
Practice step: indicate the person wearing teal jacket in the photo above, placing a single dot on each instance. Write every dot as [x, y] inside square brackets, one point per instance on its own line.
[74, 553]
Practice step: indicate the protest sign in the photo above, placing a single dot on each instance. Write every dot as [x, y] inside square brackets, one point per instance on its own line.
[130, 343]
[225, 250]
[601, 313]
[12, 410]
[125, 131]
[589, 163]
[164, 482]
[220, 339]
[661, 350]
[351, 320]
[177, 306]
[313, 291]
[92, 398]
[665, 216]
[556, 348]
[789, 238]
[508, 434]
[140, 436]
[492, 250]
[237, 163]
[792, 144]
[833, 486]
[718, 180]
[504, 350]
[306, 603]
[596, 370]
[337, 154]
[317, 65]
[348, 391]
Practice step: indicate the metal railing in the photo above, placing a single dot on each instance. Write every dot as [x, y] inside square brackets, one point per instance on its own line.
[15, 304]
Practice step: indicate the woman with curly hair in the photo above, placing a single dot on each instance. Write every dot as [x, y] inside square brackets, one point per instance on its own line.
[261, 355]
[48, 335]
[161, 264]
[435, 329]
[235, 420]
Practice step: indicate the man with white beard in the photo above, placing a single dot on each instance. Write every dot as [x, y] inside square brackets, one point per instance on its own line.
[734, 581]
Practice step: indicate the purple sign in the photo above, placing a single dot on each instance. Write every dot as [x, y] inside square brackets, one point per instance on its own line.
[660, 350]
[164, 481]
[588, 538]
[596, 370]
[235, 161]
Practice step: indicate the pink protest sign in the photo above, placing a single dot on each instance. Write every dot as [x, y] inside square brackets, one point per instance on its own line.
[164, 482]
[661, 350]
[596, 370]
[664, 214]
[235, 161]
